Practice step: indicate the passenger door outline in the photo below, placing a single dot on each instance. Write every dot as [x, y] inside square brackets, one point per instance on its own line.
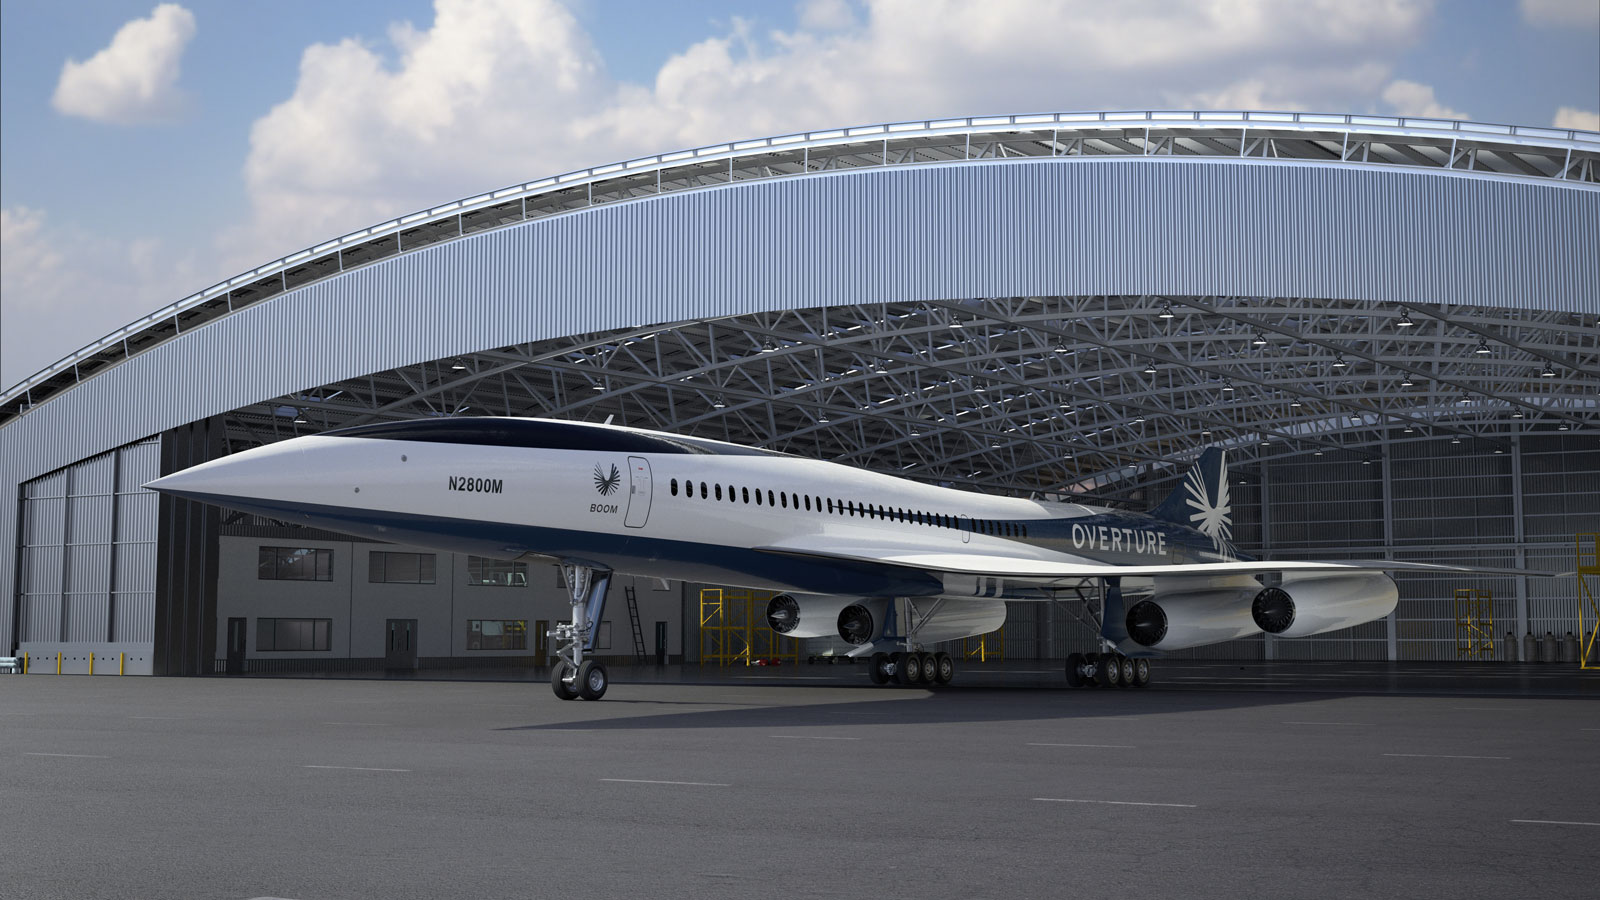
[638, 492]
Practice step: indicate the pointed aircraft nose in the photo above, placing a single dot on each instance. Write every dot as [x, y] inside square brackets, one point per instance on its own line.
[261, 472]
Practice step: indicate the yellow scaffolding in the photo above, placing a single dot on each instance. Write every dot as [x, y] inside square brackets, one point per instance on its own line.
[1588, 546]
[1474, 624]
[980, 647]
[732, 629]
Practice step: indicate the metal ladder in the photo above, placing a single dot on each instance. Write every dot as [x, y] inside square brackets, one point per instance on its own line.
[633, 620]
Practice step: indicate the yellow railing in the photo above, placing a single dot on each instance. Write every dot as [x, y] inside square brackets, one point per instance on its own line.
[1588, 548]
[1474, 624]
[985, 645]
[733, 630]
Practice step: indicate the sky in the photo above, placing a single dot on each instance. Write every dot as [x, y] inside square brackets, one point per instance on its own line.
[150, 150]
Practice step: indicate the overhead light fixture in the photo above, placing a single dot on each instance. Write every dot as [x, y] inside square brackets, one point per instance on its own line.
[1548, 373]
[1366, 462]
[768, 346]
[1405, 320]
[1317, 453]
[298, 420]
[1516, 414]
[1338, 362]
[598, 387]
[1294, 404]
[1150, 368]
[822, 418]
[1483, 347]
[1260, 340]
[1564, 427]
[1405, 381]
[1498, 451]
[1455, 440]
[1205, 433]
[457, 365]
[1138, 420]
[718, 402]
[1227, 387]
[1166, 312]
[1061, 348]
[1408, 430]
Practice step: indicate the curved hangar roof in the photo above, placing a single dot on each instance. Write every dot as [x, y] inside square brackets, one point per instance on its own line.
[1027, 302]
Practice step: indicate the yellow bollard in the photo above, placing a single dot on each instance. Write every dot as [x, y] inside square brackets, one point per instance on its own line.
[91, 662]
[24, 663]
[58, 662]
[121, 658]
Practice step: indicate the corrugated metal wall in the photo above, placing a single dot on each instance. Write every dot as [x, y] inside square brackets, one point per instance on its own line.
[86, 560]
[1066, 226]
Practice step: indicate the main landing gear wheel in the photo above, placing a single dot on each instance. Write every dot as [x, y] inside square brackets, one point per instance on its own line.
[928, 674]
[1075, 670]
[564, 689]
[907, 668]
[1127, 672]
[592, 680]
[1108, 671]
[1141, 672]
[944, 668]
[878, 668]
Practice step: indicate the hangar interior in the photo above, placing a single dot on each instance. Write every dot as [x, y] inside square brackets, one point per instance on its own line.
[1427, 392]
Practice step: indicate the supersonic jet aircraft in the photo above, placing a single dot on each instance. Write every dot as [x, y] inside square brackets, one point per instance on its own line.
[886, 564]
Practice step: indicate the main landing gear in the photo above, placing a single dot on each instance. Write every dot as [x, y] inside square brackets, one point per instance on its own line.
[1106, 670]
[911, 667]
[572, 676]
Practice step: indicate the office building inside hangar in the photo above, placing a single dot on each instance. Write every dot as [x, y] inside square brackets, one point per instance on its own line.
[1390, 375]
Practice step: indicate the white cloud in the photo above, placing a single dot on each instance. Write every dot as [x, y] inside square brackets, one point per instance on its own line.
[135, 78]
[1570, 117]
[1412, 99]
[61, 288]
[1557, 13]
[497, 92]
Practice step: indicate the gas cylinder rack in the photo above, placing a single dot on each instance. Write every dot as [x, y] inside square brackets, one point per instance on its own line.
[1588, 605]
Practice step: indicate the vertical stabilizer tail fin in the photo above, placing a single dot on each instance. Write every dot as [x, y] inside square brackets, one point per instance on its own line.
[1202, 501]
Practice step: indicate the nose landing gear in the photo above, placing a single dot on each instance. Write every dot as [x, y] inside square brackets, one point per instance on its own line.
[572, 676]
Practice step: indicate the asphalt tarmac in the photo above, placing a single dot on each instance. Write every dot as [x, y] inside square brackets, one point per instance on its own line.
[1221, 780]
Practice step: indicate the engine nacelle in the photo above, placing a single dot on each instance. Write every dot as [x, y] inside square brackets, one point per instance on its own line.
[1313, 604]
[860, 621]
[806, 615]
[1191, 618]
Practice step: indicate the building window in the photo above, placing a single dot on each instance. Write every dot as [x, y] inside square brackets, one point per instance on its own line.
[496, 572]
[294, 564]
[400, 568]
[283, 635]
[497, 634]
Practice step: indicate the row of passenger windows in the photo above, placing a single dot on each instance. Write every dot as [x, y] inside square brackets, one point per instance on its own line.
[808, 503]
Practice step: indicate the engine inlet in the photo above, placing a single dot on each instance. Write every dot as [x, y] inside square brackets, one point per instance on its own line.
[855, 624]
[1147, 623]
[1273, 610]
[783, 614]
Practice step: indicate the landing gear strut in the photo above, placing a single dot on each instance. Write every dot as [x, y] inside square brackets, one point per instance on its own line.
[572, 676]
[1106, 670]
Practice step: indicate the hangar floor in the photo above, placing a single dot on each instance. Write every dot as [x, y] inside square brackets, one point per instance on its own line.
[308, 788]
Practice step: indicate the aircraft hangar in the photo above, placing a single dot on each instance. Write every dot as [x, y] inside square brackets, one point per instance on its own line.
[1392, 325]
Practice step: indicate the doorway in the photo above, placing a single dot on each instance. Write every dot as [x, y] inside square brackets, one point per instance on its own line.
[402, 644]
[236, 645]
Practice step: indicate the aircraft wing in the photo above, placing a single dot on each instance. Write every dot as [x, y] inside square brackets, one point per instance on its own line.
[998, 566]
